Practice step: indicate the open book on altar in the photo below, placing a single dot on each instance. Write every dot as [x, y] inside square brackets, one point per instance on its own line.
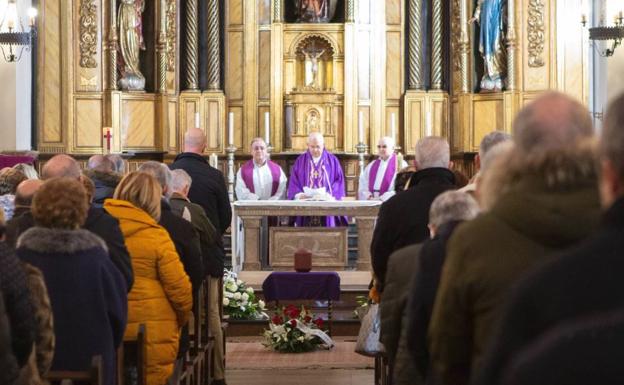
[317, 194]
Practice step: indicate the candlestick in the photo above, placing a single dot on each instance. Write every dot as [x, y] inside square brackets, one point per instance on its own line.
[393, 127]
[231, 150]
[361, 150]
[361, 128]
[231, 130]
[197, 120]
[267, 128]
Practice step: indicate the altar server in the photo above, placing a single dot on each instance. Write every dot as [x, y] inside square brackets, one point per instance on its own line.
[377, 180]
[317, 175]
[260, 178]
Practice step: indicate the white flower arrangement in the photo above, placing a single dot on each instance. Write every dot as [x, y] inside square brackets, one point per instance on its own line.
[294, 330]
[239, 300]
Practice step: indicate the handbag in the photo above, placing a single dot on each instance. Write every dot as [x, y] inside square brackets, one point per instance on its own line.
[368, 343]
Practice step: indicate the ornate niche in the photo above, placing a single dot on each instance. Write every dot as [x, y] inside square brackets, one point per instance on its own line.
[312, 104]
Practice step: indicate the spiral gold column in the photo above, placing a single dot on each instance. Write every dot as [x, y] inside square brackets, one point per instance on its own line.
[192, 45]
[511, 46]
[436, 51]
[350, 11]
[464, 46]
[415, 46]
[112, 48]
[162, 48]
[277, 11]
[214, 50]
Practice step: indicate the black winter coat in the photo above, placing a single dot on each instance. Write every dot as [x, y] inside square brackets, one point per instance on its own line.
[403, 219]
[208, 188]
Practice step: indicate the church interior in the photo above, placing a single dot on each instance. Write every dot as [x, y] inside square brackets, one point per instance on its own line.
[377, 86]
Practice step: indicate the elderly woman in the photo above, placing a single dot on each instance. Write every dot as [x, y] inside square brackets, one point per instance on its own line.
[87, 292]
[161, 296]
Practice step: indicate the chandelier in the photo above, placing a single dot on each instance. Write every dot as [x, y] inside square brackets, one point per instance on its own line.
[13, 37]
[614, 33]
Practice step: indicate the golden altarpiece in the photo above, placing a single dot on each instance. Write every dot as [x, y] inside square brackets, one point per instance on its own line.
[376, 61]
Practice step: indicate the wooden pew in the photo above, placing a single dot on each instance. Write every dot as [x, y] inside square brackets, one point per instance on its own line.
[196, 358]
[91, 376]
[133, 354]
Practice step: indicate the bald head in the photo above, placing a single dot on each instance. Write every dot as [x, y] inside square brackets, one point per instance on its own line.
[100, 163]
[195, 141]
[25, 192]
[551, 122]
[316, 137]
[431, 152]
[316, 144]
[60, 166]
[385, 147]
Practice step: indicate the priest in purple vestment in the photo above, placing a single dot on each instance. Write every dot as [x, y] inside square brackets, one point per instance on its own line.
[317, 175]
[377, 180]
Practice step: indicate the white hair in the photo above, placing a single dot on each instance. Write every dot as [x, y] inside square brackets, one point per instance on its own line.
[180, 179]
[452, 206]
[432, 151]
[387, 140]
[491, 140]
[159, 171]
[316, 135]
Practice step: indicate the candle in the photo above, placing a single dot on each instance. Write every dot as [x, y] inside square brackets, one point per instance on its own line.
[393, 127]
[32, 15]
[214, 160]
[231, 130]
[361, 128]
[197, 120]
[267, 128]
[428, 126]
[399, 160]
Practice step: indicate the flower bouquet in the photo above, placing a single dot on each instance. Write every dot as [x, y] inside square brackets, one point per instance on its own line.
[239, 300]
[293, 330]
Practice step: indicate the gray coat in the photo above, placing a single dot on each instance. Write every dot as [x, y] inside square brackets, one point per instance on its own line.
[393, 312]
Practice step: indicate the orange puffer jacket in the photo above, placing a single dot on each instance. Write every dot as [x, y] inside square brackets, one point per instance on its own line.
[161, 297]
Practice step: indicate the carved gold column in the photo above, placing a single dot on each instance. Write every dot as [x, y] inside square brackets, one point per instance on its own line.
[511, 45]
[464, 46]
[112, 47]
[277, 11]
[436, 52]
[214, 50]
[350, 11]
[162, 48]
[192, 45]
[415, 46]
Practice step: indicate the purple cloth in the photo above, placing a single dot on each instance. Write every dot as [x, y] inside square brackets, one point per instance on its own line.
[316, 285]
[327, 173]
[247, 174]
[387, 178]
[12, 160]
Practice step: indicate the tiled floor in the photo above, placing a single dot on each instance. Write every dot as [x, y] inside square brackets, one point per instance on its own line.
[300, 377]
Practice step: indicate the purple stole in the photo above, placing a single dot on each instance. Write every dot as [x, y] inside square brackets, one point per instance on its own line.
[387, 178]
[247, 174]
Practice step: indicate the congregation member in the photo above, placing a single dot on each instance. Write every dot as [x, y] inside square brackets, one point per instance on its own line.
[403, 219]
[317, 174]
[213, 258]
[488, 142]
[547, 201]
[8, 364]
[22, 217]
[98, 221]
[260, 178]
[10, 178]
[409, 290]
[87, 292]
[27, 169]
[581, 283]
[377, 180]
[208, 189]
[161, 297]
[100, 169]
[119, 164]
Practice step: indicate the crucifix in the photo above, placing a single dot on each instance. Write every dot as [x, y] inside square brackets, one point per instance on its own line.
[312, 55]
[107, 136]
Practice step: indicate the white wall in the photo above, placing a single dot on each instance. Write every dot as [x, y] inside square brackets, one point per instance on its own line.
[15, 95]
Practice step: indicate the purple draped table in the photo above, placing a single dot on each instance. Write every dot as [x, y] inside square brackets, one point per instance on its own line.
[316, 285]
[12, 160]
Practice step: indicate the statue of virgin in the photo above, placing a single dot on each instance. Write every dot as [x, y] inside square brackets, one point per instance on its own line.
[489, 15]
[131, 41]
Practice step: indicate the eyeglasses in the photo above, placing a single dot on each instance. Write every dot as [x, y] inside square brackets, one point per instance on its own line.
[382, 146]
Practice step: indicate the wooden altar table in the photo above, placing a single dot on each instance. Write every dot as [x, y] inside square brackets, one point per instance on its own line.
[252, 212]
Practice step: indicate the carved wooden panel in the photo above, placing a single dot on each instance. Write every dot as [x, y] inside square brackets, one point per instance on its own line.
[488, 116]
[173, 125]
[88, 123]
[328, 246]
[234, 87]
[393, 12]
[87, 42]
[264, 65]
[538, 45]
[50, 67]
[235, 12]
[394, 51]
[138, 124]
